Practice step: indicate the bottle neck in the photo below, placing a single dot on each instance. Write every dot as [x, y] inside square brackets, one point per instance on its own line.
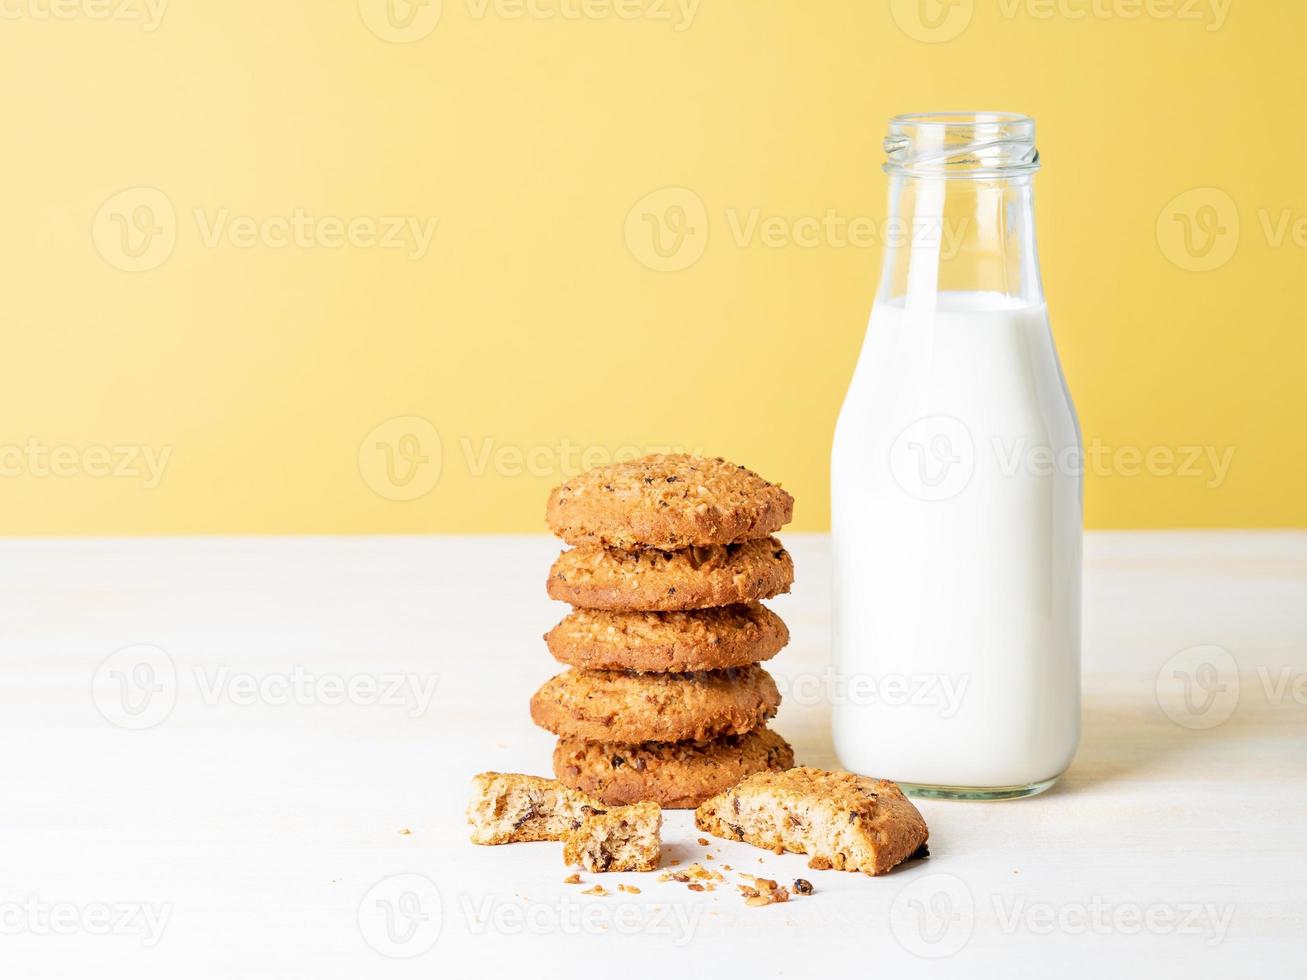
[960, 235]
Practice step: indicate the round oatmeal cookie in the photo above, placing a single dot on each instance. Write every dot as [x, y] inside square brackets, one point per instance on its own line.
[667, 501]
[616, 706]
[701, 639]
[594, 577]
[675, 775]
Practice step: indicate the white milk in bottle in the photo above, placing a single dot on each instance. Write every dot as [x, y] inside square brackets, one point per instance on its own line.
[956, 486]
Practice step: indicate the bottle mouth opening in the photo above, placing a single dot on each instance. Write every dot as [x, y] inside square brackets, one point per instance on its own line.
[961, 144]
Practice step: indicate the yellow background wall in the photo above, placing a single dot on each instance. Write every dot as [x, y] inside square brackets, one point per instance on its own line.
[158, 305]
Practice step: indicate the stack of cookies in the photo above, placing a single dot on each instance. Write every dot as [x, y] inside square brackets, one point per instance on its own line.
[665, 701]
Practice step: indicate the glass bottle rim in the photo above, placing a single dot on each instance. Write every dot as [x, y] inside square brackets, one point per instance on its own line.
[961, 144]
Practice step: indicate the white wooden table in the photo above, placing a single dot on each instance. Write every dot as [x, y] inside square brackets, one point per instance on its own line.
[244, 819]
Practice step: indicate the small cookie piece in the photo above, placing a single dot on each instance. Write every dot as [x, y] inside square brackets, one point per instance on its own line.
[594, 577]
[507, 808]
[616, 706]
[701, 639]
[842, 820]
[675, 775]
[667, 501]
[625, 838]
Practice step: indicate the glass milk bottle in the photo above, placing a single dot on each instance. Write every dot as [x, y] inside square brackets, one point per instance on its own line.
[956, 485]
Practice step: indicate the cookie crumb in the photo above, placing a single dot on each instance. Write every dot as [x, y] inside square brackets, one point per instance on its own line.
[404, 831]
[701, 873]
[703, 841]
[596, 890]
[629, 889]
[802, 886]
[764, 891]
[572, 879]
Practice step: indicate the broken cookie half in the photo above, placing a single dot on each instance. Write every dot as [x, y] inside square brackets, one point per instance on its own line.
[625, 838]
[507, 808]
[841, 820]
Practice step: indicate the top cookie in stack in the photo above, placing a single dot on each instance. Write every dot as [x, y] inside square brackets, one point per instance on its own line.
[668, 502]
[666, 701]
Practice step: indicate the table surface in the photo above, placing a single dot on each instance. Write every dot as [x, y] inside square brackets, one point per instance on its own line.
[250, 757]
